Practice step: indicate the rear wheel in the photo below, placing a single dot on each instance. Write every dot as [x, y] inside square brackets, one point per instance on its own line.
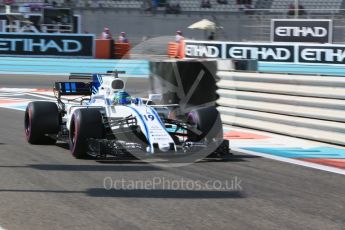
[85, 124]
[41, 118]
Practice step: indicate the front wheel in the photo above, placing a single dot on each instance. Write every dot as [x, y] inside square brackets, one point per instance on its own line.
[207, 122]
[85, 124]
[208, 126]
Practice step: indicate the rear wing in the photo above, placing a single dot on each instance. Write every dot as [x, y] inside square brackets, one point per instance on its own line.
[90, 76]
[86, 81]
[81, 76]
[72, 88]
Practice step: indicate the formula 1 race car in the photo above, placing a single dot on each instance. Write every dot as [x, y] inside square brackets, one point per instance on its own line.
[103, 119]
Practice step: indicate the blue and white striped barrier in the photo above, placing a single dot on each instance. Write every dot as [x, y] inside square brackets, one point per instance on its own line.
[306, 106]
[63, 66]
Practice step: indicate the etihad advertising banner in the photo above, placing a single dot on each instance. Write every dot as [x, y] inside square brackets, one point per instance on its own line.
[321, 54]
[240, 50]
[268, 52]
[301, 30]
[42, 44]
[204, 49]
[261, 52]
[31, 24]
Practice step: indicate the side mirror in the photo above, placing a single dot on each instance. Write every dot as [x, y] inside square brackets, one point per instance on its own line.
[156, 98]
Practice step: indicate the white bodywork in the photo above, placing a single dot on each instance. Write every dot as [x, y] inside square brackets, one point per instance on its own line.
[147, 117]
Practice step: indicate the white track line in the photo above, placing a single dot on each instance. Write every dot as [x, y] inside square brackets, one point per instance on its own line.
[34, 73]
[294, 161]
[50, 98]
[41, 96]
[1, 228]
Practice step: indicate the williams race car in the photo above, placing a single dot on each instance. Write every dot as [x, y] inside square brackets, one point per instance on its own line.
[96, 116]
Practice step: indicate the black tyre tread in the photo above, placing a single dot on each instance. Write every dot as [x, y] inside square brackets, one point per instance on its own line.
[208, 121]
[44, 119]
[88, 123]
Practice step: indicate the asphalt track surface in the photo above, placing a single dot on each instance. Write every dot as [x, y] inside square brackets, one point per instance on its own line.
[44, 187]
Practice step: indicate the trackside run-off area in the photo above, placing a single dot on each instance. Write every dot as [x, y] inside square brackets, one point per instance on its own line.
[278, 147]
[271, 181]
[287, 149]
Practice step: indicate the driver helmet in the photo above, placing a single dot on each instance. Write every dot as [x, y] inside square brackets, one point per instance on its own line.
[122, 98]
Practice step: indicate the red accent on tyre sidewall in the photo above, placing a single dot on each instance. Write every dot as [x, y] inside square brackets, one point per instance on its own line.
[29, 126]
[75, 133]
[192, 118]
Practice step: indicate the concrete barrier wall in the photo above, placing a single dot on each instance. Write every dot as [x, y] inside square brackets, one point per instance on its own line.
[311, 107]
[64, 66]
[304, 69]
